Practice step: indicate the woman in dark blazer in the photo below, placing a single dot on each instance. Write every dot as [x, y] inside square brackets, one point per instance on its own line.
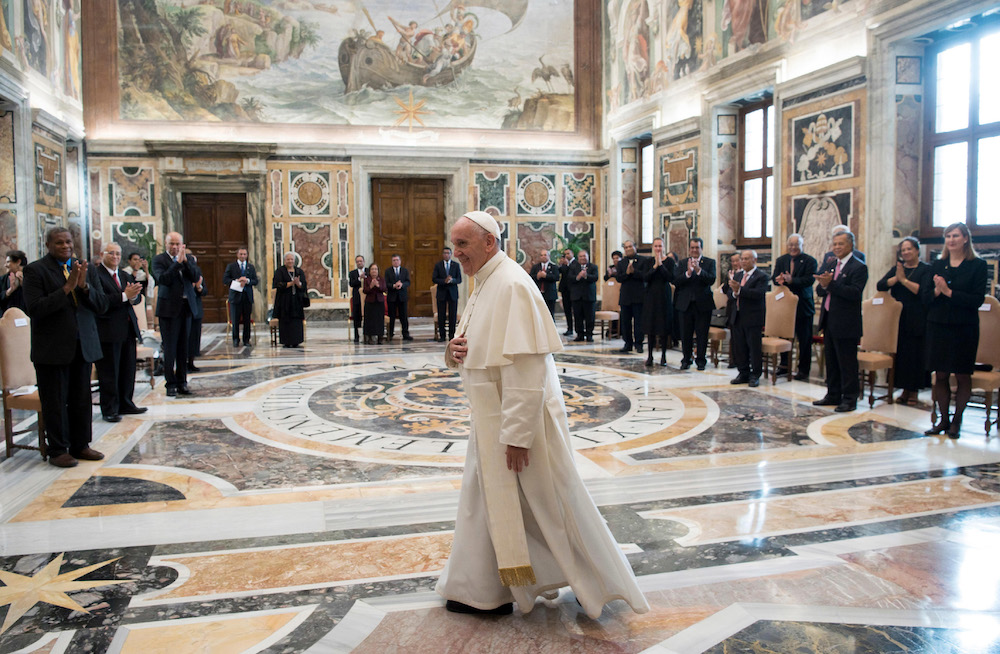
[657, 305]
[958, 290]
[11, 293]
[374, 288]
[909, 282]
[290, 288]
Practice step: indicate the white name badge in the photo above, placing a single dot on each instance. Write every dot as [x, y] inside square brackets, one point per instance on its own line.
[20, 322]
[986, 307]
[779, 296]
[878, 300]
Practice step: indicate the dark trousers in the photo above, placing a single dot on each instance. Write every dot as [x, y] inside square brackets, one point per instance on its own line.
[64, 391]
[694, 326]
[239, 313]
[356, 315]
[803, 337]
[447, 311]
[397, 309]
[174, 347]
[631, 324]
[551, 304]
[841, 368]
[194, 339]
[583, 315]
[568, 311]
[116, 376]
[747, 349]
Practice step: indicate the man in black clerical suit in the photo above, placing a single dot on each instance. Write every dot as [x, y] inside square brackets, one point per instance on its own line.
[564, 290]
[198, 313]
[397, 281]
[241, 301]
[546, 276]
[119, 331]
[175, 304]
[447, 275]
[841, 286]
[747, 292]
[62, 298]
[795, 270]
[693, 279]
[583, 289]
[356, 278]
[633, 291]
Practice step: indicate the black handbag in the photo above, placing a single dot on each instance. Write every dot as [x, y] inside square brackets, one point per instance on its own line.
[305, 300]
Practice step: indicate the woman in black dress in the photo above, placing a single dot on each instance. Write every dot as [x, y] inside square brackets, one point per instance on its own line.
[374, 289]
[658, 306]
[909, 281]
[11, 293]
[290, 289]
[958, 290]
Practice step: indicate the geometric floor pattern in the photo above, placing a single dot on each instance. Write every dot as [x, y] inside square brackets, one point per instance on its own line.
[304, 501]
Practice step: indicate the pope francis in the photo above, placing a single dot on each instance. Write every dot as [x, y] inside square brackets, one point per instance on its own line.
[526, 525]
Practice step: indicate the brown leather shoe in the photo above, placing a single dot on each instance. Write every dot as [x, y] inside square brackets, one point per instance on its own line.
[64, 460]
[89, 454]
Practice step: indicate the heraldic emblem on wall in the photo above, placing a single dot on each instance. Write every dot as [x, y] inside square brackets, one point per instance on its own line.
[824, 145]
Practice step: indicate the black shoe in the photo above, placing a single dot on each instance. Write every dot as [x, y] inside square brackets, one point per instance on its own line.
[801, 376]
[754, 382]
[590, 339]
[685, 366]
[701, 366]
[171, 391]
[939, 428]
[731, 365]
[193, 368]
[568, 332]
[236, 342]
[578, 339]
[638, 349]
[846, 407]
[114, 417]
[458, 607]
[827, 400]
[183, 390]
[407, 338]
[955, 430]
[626, 349]
[649, 362]
[741, 379]
[439, 340]
[133, 411]
[782, 370]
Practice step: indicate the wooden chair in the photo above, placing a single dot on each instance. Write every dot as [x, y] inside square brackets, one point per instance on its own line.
[989, 353]
[145, 356]
[272, 323]
[229, 323]
[609, 311]
[716, 335]
[880, 325]
[16, 370]
[779, 330]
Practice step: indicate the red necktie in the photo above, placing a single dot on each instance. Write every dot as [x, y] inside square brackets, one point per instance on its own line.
[118, 283]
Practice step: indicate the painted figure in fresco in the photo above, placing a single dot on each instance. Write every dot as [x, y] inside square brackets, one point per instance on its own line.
[678, 42]
[5, 41]
[636, 49]
[36, 26]
[71, 42]
[747, 19]
[407, 36]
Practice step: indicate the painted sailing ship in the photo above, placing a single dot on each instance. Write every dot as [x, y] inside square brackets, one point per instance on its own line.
[365, 60]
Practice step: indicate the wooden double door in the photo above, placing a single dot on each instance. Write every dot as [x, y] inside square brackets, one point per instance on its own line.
[408, 217]
[215, 227]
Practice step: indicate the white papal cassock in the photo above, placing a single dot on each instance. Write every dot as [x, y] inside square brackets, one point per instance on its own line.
[510, 379]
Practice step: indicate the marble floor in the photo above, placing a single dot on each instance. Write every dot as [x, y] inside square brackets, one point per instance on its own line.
[304, 501]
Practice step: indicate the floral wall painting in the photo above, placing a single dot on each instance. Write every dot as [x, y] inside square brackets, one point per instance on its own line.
[469, 64]
[823, 145]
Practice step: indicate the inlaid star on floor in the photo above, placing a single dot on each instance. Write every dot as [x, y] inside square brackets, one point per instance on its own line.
[22, 592]
[410, 112]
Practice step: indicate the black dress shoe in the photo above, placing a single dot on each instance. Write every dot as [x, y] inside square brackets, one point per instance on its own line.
[638, 348]
[649, 362]
[568, 332]
[578, 339]
[740, 380]
[112, 418]
[183, 390]
[236, 343]
[626, 349]
[407, 338]
[827, 401]
[754, 382]
[939, 428]
[800, 376]
[134, 411]
[458, 607]
[439, 340]
[171, 391]
[193, 368]
[701, 366]
[685, 366]
[846, 407]
[590, 339]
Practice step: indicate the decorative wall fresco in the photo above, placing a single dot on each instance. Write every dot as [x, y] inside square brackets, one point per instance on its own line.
[679, 177]
[824, 145]
[6, 23]
[481, 64]
[69, 31]
[8, 185]
[491, 192]
[8, 230]
[578, 194]
[96, 214]
[313, 243]
[536, 194]
[48, 176]
[36, 45]
[131, 191]
[906, 212]
[630, 214]
[726, 161]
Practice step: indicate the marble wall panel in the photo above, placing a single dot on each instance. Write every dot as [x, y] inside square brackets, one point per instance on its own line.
[96, 220]
[131, 191]
[48, 176]
[815, 216]
[630, 214]
[8, 231]
[726, 160]
[491, 192]
[678, 176]
[8, 187]
[578, 194]
[127, 235]
[536, 194]
[823, 145]
[313, 243]
[309, 194]
[906, 212]
[533, 238]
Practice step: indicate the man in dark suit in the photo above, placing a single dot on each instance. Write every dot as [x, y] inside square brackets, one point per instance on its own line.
[397, 279]
[194, 337]
[447, 275]
[747, 291]
[62, 299]
[630, 272]
[693, 280]
[829, 256]
[583, 289]
[119, 331]
[546, 276]
[840, 319]
[356, 278]
[175, 304]
[564, 290]
[240, 301]
[795, 270]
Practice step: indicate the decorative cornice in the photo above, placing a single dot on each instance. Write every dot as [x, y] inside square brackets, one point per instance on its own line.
[214, 149]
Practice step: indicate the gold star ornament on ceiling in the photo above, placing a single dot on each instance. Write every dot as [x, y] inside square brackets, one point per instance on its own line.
[48, 586]
[409, 112]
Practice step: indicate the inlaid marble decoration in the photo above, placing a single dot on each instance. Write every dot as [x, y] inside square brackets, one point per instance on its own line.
[275, 193]
[96, 213]
[725, 125]
[343, 200]
[308, 194]
[45, 222]
[8, 187]
[344, 260]
[278, 243]
[131, 191]
[491, 189]
[8, 230]
[678, 227]
[630, 214]
[533, 238]
[584, 235]
[908, 70]
[127, 235]
[679, 177]
[823, 145]
[578, 194]
[906, 199]
[814, 216]
[48, 176]
[536, 194]
[313, 243]
[726, 158]
[780, 636]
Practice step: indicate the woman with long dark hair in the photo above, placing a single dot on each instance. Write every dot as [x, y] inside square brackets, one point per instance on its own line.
[959, 288]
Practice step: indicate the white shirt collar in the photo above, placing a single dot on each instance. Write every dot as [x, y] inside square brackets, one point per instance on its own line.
[843, 262]
[110, 270]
